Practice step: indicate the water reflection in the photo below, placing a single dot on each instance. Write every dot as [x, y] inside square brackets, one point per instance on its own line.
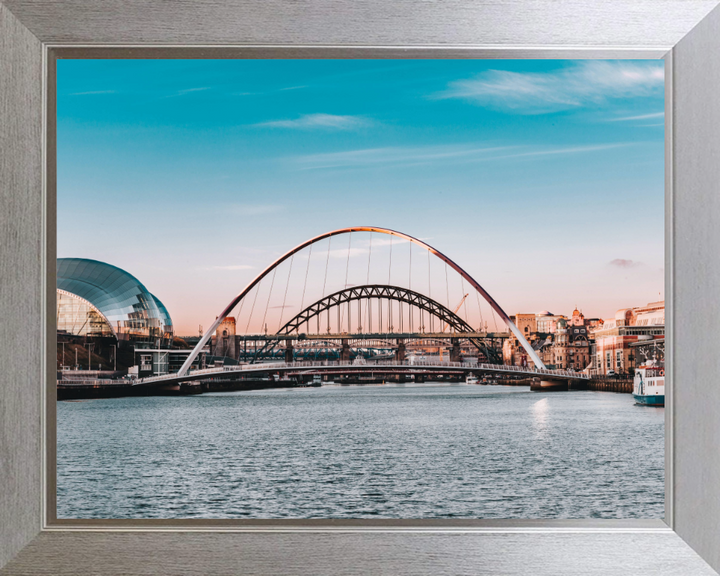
[540, 417]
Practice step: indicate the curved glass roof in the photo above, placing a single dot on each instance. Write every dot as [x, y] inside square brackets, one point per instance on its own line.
[118, 295]
[163, 311]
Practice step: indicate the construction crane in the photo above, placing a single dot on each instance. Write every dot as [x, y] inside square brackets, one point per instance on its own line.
[454, 312]
[440, 350]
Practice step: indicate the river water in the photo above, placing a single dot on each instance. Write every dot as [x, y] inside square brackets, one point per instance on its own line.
[391, 451]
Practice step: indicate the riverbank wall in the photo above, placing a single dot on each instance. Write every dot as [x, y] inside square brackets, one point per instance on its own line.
[88, 389]
[597, 383]
[620, 385]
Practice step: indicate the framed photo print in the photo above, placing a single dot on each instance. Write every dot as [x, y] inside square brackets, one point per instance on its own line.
[401, 298]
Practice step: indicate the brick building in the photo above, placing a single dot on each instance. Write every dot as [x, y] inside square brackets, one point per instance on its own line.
[612, 349]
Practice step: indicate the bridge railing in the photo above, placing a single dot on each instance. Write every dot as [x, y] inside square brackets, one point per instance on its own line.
[269, 366]
[64, 383]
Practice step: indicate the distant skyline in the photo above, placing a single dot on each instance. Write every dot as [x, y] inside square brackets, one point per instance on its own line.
[543, 179]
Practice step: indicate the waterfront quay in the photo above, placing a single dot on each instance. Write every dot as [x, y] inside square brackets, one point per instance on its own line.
[299, 374]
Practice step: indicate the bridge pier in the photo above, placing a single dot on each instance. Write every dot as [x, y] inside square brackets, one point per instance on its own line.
[538, 385]
[578, 385]
[289, 351]
[455, 353]
[400, 352]
[345, 351]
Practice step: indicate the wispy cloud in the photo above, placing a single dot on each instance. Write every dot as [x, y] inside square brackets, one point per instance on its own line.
[566, 150]
[623, 263]
[319, 121]
[341, 253]
[412, 156]
[189, 90]
[255, 209]
[263, 92]
[231, 267]
[391, 241]
[640, 117]
[394, 155]
[584, 83]
[361, 247]
[183, 92]
[93, 92]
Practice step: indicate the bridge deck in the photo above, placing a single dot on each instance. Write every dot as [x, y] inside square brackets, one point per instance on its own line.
[406, 366]
[373, 336]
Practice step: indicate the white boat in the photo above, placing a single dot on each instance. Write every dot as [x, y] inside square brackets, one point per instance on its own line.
[470, 379]
[649, 384]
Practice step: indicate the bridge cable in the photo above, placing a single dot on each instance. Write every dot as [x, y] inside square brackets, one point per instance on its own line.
[327, 261]
[287, 285]
[272, 283]
[252, 310]
[410, 310]
[237, 318]
[347, 269]
[462, 287]
[347, 262]
[477, 295]
[390, 262]
[430, 316]
[447, 289]
[307, 269]
[367, 281]
[389, 321]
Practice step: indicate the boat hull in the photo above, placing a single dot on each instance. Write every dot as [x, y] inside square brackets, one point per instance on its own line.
[654, 400]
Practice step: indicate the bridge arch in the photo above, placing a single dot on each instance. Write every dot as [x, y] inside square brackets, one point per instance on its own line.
[376, 291]
[379, 292]
[486, 296]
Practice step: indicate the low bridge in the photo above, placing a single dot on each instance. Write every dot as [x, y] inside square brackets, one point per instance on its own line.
[413, 367]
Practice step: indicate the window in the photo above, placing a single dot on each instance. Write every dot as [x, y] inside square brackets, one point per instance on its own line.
[145, 362]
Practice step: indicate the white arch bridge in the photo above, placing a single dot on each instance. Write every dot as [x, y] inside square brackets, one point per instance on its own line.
[381, 308]
[412, 367]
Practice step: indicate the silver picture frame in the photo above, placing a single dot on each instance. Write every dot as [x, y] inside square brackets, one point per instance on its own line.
[34, 33]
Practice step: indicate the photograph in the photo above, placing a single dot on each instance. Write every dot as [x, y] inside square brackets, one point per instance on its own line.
[360, 289]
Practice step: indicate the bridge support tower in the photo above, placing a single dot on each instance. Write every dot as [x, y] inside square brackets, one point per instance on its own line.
[289, 351]
[345, 351]
[455, 353]
[400, 352]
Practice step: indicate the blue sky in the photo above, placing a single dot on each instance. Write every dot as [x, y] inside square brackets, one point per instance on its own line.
[543, 179]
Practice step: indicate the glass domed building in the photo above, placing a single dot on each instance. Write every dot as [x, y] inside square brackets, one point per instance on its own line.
[98, 299]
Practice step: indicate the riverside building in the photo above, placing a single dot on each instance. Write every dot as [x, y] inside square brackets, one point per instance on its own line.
[623, 342]
[560, 342]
